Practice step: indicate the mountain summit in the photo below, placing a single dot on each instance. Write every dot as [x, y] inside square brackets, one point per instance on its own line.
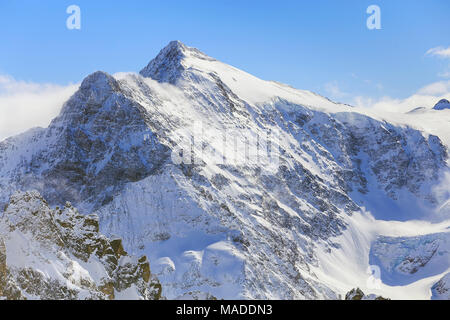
[236, 187]
[171, 61]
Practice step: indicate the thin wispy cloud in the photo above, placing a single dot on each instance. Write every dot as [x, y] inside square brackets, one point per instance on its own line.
[442, 53]
[439, 52]
[24, 105]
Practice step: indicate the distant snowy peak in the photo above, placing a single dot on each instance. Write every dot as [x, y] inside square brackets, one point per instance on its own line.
[442, 104]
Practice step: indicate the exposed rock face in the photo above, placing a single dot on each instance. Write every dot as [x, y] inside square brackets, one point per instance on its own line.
[92, 149]
[357, 294]
[441, 289]
[218, 229]
[354, 294]
[60, 254]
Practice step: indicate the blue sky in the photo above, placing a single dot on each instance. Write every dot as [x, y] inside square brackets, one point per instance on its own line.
[323, 46]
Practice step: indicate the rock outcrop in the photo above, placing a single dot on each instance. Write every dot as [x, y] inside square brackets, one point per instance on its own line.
[59, 254]
[441, 289]
[358, 294]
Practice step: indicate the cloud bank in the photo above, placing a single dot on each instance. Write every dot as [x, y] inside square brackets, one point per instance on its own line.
[24, 105]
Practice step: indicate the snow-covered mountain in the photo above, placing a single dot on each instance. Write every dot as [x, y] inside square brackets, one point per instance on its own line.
[235, 187]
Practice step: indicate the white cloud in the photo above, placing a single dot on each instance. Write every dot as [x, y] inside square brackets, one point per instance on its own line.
[439, 52]
[443, 53]
[437, 88]
[444, 74]
[24, 105]
[425, 97]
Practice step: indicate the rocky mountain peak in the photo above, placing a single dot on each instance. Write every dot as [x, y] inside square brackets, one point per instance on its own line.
[170, 63]
[97, 92]
[103, 133]
[176, 45]
[100, 80]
